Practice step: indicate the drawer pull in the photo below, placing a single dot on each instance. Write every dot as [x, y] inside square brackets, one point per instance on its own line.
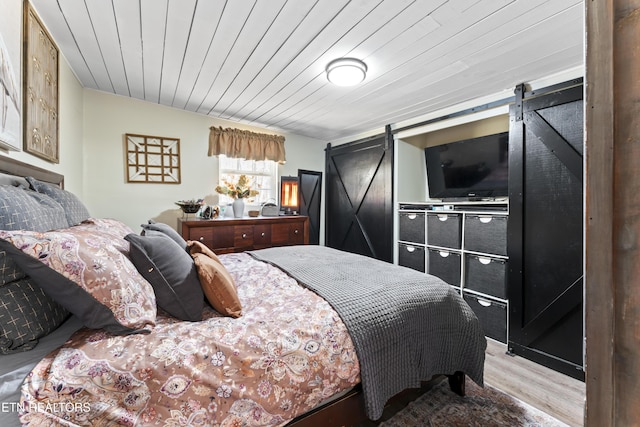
[244, 235]
[410, 248]
[295, 231]
[485, 261]
[412, 216]
[443, 217]
[262, 234]
[201, 239]
[485, 219]
[484, 302]
[444, 254]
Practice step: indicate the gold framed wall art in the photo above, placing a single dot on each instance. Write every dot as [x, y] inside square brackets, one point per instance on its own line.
[152, 159]
[40, 92]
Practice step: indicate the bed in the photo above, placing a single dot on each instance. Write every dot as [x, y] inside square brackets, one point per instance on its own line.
[302, 331]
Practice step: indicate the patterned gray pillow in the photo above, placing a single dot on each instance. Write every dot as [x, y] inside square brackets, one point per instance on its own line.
[23, 209]
[26, 314]
[9, 270]
[74, 209]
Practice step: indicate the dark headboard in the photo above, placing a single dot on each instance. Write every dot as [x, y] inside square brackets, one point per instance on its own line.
[11, 166]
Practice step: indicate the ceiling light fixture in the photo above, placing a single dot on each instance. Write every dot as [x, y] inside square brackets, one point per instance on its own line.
[346, 71]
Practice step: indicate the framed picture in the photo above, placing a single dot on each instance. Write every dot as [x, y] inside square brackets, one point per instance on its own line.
[152, 159]
[40, 89]
[11, 74]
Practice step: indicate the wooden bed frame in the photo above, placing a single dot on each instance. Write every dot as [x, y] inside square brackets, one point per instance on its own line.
[347, 410]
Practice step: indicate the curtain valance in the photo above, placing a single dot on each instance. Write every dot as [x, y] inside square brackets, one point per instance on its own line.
[247, 145]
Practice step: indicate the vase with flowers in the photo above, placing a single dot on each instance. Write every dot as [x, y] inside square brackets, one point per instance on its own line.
[238, 191]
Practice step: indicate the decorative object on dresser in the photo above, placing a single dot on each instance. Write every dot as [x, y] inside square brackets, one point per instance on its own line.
[238, 191]
[465, 244]
[289, 201]
[190, 206]
[40, 89]
[237, 235]
[152, 159]
[269, 209]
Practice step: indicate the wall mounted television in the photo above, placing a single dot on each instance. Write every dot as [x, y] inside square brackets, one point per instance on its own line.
[471, 169]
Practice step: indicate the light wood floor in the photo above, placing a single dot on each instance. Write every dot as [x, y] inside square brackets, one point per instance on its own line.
[556, 394]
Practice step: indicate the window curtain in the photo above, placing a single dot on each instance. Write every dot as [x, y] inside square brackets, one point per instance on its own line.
[247, 145]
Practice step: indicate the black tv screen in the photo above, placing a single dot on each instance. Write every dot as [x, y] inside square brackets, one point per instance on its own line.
[474, 168]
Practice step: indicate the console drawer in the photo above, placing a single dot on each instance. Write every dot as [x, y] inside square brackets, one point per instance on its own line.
[444, 229]
[486, 233]
[491, 314]
[411, 256]
[412, 227]
[445, 265]
[486, 275]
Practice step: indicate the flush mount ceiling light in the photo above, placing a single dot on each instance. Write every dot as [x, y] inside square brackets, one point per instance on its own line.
[346, 71]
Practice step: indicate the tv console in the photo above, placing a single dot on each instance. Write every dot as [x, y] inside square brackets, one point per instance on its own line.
[465, 244]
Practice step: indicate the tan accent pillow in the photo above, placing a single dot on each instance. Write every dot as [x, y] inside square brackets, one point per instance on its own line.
[196, 247]
[218, 285]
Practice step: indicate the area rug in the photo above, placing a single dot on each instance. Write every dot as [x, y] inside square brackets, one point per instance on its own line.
[481, 407]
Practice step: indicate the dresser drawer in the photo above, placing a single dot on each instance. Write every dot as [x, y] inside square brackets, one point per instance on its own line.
[213, 237]
[287, 234]
[296, 233]
[261, 235]
[243, 236]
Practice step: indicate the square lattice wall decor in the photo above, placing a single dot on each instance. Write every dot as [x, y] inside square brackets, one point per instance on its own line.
[152, 159]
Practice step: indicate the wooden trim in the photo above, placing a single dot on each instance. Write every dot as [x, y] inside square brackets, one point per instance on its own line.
[599, 181]
[11, 166]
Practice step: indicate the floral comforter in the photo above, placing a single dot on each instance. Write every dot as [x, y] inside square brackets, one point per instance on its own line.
[287, 353]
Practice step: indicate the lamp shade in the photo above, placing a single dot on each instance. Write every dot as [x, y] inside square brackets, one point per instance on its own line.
[346, 71]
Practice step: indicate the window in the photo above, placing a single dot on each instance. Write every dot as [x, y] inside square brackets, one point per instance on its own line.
[263, 175]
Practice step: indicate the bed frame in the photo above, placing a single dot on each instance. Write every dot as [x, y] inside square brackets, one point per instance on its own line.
[347, 410]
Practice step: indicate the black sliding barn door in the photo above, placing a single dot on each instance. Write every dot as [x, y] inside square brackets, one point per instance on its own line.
[545, 234]
[310, 193]
[359, 197]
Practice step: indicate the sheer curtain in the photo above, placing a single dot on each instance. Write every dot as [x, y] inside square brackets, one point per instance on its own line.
[247, 145]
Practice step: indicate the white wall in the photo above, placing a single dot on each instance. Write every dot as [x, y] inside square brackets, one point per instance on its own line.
[107, 118]
[70, 127]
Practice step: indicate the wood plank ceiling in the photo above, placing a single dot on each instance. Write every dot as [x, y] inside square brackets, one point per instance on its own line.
[261, 62]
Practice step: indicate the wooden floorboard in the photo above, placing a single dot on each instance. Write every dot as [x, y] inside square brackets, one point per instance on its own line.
[556, 394]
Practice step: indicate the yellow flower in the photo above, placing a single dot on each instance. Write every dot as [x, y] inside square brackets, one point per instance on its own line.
[237, 190]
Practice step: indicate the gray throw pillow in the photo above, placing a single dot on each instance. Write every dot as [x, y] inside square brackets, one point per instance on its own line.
[26, 314]
[172, 273]
[165, 229]
[24, 209]
[75, 211]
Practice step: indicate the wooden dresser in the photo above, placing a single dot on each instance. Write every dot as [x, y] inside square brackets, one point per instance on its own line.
[226, 235]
